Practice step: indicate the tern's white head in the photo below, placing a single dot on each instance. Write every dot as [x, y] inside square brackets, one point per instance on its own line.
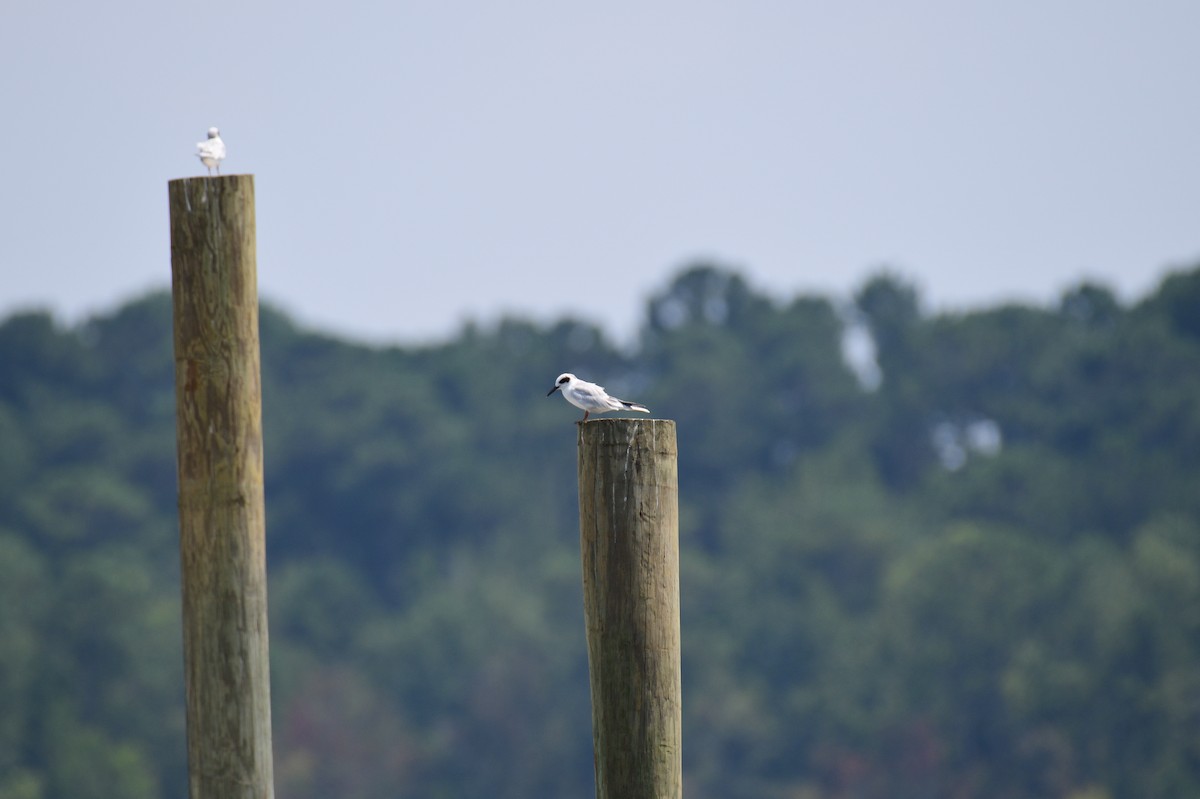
[213, 133]
[563, 381]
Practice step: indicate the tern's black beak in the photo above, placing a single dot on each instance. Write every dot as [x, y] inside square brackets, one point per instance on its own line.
[551, 391]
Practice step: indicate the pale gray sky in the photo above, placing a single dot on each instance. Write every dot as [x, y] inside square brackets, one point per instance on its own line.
[421, 163]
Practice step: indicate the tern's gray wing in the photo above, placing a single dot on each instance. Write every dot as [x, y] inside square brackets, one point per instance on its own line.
[594, 396]
[213, 148]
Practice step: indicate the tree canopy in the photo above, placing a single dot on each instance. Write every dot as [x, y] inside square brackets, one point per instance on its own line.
[978, 575]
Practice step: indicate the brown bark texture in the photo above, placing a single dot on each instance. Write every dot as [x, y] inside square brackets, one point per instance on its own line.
[220, 468]
[629, 540]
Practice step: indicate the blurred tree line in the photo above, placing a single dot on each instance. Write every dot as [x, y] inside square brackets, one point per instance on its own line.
[964, 563]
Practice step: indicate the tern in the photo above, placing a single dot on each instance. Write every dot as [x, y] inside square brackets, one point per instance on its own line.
[212, 151]
[590, 397]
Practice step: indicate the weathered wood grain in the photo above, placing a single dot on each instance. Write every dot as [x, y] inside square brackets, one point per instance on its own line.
[629, 538]
[220, 466]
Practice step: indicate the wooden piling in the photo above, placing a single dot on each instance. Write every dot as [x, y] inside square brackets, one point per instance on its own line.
[629, 537]
[220, 467]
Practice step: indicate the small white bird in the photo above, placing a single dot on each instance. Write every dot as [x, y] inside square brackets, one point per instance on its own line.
[591, 397]
[212, 152]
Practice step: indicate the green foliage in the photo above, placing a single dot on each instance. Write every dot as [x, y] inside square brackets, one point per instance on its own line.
[979, 578]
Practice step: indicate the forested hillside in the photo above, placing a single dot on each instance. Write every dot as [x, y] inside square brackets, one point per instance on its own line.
[975, 575]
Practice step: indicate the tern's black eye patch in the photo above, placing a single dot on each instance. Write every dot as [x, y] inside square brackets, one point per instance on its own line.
[563, 380]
